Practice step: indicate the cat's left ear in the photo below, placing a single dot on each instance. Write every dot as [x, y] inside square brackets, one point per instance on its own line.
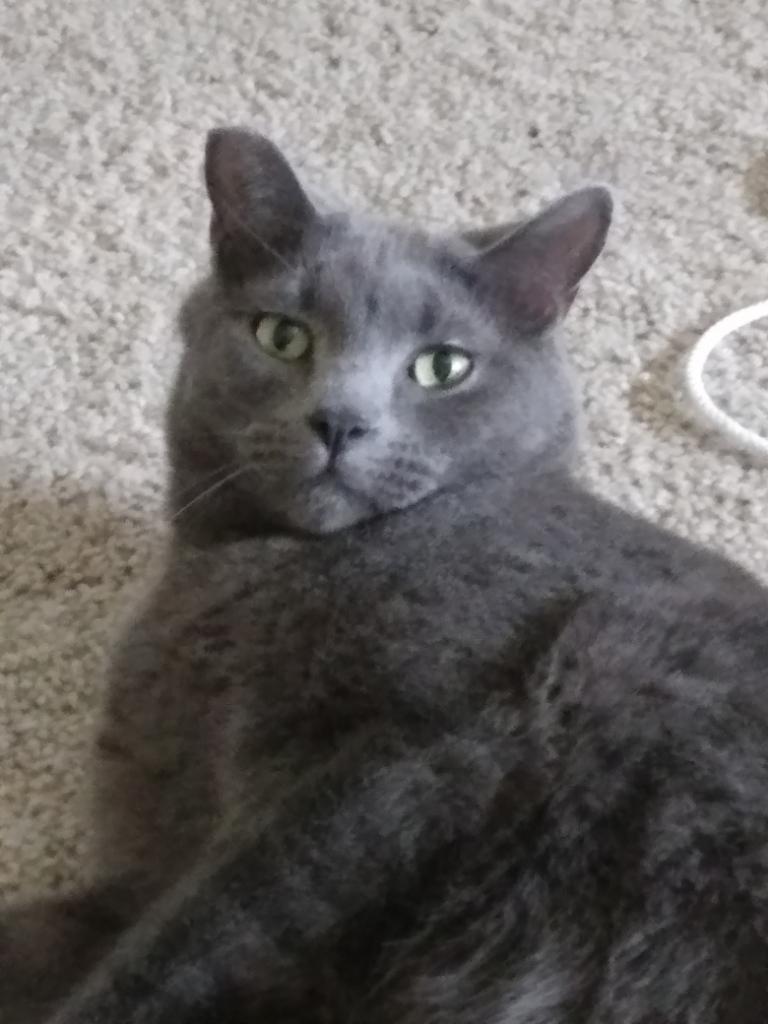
[260, 210]
[533, 272]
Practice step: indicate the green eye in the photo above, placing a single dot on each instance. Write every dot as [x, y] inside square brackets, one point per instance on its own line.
[282, 338]
[443, 367]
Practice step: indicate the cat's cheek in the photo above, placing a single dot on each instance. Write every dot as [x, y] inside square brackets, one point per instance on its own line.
[280, 454]
[394, 473]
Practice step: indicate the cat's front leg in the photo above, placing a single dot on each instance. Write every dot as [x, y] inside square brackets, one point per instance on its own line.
[255, 918]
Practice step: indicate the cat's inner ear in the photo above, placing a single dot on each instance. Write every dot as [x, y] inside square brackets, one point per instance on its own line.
[260, 210]
[533, 273]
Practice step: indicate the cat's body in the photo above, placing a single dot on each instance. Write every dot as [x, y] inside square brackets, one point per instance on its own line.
[448, 740]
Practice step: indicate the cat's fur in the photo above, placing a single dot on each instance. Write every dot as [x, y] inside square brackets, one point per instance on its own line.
[435, 737]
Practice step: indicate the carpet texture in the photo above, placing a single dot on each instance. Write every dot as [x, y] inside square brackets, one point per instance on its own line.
[447, 110]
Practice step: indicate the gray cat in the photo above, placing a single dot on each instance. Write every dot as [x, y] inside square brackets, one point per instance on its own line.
[414, 728]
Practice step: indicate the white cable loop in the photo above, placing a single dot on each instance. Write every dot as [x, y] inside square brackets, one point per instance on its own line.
[711, 414]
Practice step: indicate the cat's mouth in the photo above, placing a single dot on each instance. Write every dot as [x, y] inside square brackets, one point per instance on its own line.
[332, 475]
[331, 470]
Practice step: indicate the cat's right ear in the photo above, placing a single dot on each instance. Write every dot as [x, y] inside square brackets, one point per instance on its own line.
[260, 210]
[532, 273]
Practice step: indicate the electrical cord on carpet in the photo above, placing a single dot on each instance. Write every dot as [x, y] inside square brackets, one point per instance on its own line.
[712, 415]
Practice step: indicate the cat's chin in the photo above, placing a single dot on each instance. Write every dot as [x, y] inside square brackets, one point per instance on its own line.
[328, 506]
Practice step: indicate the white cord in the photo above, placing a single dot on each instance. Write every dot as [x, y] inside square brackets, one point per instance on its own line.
[711, 414]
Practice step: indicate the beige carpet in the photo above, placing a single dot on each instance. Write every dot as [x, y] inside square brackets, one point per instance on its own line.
[441, 109]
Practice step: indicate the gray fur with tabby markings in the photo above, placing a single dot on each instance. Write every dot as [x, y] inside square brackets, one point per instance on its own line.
[437, 735]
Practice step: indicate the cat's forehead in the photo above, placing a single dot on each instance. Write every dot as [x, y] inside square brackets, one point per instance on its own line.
[369, 270]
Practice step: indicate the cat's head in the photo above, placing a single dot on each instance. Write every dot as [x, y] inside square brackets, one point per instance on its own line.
[338, 368]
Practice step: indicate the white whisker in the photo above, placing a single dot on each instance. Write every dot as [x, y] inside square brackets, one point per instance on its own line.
[205, 478]
[210, 490]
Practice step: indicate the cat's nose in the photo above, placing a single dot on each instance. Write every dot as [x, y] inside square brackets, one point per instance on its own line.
[336, 428]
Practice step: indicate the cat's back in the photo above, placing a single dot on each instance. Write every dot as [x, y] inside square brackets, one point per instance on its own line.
[257, 660]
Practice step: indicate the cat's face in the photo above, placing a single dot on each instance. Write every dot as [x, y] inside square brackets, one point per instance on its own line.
[338, 368]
